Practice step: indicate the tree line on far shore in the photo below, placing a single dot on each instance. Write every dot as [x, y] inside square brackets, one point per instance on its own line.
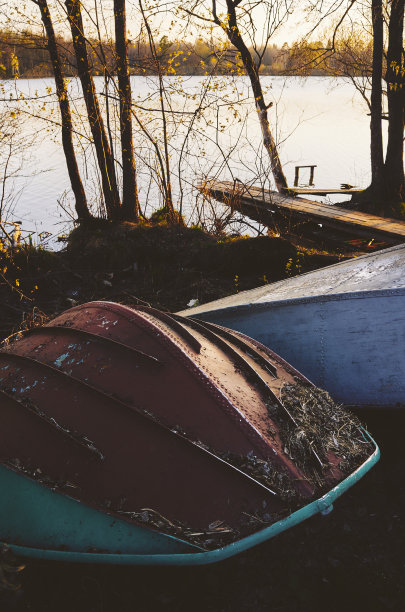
[25, 55]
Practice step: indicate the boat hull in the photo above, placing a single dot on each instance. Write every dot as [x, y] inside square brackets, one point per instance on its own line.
[139, 437]
[62, 529]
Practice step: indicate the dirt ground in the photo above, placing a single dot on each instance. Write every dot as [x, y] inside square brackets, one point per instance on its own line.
[352, 559]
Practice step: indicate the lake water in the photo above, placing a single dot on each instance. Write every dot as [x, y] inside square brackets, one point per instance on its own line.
[316, 120]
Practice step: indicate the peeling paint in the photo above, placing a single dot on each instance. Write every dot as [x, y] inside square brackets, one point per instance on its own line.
[58, 362]
[25, 389]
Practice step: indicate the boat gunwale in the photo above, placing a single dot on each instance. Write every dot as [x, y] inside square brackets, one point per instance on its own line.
[322, 297]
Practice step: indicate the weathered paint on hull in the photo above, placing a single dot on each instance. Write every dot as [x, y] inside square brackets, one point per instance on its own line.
[343, 327]
[62, 529]
[118, 429]
[35, 517]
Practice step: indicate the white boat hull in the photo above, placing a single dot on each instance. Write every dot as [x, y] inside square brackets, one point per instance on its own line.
[351, 343]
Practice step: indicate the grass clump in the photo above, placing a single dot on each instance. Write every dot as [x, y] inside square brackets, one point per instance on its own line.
[321, 432]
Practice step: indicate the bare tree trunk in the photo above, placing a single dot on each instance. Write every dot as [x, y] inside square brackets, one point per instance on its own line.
[103, 151]
[164, 161]
[130, 203]
[67, 129]
[386, 192]
[394, 165]
[376, 145]
[232, 30]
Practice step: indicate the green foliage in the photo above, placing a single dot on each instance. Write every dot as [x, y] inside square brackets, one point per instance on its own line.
[293, 266]
[163, 216]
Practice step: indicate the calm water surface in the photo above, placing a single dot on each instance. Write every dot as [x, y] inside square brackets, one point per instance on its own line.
[316, 120]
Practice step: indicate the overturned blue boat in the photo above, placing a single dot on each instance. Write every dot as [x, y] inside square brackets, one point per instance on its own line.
[132, 436]
[342, 326]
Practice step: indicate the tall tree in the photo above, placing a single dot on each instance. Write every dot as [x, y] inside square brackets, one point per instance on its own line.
[130, 203]
[376, 108]
[163, 156]
[394, 159]
[104, 156]
[230, 25]
[66, 117]
[386, 192]
[232, 30]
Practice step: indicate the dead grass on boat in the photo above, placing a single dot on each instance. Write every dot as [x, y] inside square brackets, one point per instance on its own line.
[318, 431]
[322, 429]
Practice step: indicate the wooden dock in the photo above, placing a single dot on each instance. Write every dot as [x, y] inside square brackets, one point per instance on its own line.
[323, 192]
[267, 206]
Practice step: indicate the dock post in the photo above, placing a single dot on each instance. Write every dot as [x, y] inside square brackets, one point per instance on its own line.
[297, 171]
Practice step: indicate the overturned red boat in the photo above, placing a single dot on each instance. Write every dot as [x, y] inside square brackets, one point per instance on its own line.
[129, 435]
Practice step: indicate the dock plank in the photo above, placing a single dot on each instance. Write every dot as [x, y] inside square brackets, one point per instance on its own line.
[260, 205]
[323, 192]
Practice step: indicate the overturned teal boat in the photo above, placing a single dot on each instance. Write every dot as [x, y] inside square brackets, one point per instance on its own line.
[131, 436]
